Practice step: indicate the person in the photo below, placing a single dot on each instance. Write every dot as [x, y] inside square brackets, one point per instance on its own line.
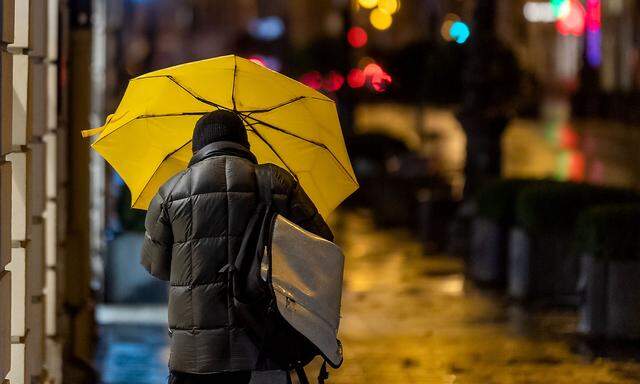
[194, 227]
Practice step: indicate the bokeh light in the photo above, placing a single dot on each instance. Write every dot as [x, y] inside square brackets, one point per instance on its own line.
[574, 22]
[560, 8]
[364, 61]
[571, 166]
[568, 137]
[356, 78]
[594, 33]
[389, 6]
[312, 79]
[380, 81]
[257, 60]
[594, 15]
[268, 28]
[372, 69]
[536, 12]
[459, 32]
[268, 61]
[368, 4]
[357, 37]
[333, 81]
[380, 19]
[446, 26]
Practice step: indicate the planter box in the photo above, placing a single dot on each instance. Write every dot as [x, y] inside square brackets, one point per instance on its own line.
[623, 300]
[488, 257]
[542, 267]
[611, 298]
[592, 288]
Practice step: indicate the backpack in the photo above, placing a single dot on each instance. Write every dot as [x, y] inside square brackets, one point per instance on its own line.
[290, 326]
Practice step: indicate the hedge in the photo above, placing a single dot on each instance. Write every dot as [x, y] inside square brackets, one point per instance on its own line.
[610, 232]
[497, 199]
[556, 206]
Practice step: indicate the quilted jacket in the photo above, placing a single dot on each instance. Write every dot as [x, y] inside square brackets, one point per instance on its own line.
[194, 227]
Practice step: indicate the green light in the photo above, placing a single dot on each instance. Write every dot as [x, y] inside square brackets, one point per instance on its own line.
[560, 8]
[563, 163]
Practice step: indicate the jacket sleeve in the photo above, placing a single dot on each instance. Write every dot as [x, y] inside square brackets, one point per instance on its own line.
[303, 212]
[158, 240]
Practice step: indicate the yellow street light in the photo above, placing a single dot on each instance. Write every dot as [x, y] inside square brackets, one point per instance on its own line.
[380, 19]
[390, 6]
[368, 4]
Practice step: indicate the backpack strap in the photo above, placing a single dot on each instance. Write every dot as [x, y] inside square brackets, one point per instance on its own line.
[302, 376]
[254, 234]
[263, 179]
[323, 374]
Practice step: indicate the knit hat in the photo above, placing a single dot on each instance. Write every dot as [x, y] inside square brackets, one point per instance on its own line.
[219, 125]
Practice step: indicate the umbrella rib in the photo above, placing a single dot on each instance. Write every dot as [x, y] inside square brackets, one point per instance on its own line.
[193, 94]
[158, 167]
[171, 114]
[285, 103]
[271, 147]
[321, 145]
[233, 85]
[258, 121]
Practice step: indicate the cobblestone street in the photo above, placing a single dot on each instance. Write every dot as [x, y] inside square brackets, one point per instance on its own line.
[408, 318]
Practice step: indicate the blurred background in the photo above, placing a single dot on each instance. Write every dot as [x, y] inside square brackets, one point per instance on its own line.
[495, 234]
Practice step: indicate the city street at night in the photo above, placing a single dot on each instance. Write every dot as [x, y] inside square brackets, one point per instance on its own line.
[408, 318]
[404, 191]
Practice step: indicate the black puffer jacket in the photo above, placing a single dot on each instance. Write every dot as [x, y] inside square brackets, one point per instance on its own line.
[194, 227]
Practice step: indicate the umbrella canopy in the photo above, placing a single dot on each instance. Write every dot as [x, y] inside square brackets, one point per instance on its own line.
[148, 138]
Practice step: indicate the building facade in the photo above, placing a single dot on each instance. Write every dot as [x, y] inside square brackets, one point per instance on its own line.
[45, 300]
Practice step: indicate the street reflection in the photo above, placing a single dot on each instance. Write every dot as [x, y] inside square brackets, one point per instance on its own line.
[407, 318]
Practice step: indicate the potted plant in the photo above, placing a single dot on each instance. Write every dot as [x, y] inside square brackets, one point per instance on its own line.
[495, 215]
[608, 240]
[542, 260]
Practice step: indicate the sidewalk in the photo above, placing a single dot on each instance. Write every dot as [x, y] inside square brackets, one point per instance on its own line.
[413, 319]
[408, 318]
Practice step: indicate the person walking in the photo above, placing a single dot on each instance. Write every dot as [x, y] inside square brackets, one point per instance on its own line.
[194, 227]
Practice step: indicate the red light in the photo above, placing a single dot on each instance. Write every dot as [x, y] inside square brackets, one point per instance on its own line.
[380, 81]
[333, 81]
[312, 79]
[574, 22]
[568, 137]
[371, 69]
[257, 60]
[357, 37]
[356, 78]
[594, 15]
[576, 166]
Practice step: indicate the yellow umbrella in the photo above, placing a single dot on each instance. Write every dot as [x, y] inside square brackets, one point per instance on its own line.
[148, 138]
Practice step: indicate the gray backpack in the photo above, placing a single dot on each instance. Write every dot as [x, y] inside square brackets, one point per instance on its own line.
[287, 288]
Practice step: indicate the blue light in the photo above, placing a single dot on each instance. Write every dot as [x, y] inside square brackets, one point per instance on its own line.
[594, 48]
[267, 28]
[459, 32]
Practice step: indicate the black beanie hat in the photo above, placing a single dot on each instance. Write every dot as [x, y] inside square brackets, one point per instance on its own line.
[219, 125]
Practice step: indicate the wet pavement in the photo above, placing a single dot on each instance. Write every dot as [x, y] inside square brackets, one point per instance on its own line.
[411, 318]
[130, 353]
